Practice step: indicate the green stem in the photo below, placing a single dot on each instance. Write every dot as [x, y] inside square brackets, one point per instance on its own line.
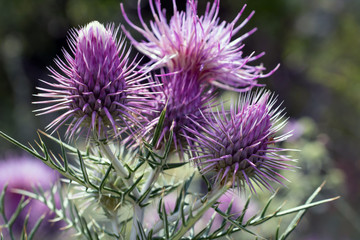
[115, 223]
[119, 168]
[135, 226]
[152, 178]
[124, 174]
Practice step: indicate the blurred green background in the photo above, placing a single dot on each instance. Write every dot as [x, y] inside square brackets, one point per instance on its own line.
[317, 44]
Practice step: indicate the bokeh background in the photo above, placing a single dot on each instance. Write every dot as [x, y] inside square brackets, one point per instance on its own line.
[317, 44]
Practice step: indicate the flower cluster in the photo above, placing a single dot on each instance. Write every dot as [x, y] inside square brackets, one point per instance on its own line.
[104, 94]
[155, 133]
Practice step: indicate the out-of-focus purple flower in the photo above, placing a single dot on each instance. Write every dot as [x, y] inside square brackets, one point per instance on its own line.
[202, 45]
[238, 145]
[25, 173]
[97, 86]
[184, 98]
[297, 129]
[231, 198]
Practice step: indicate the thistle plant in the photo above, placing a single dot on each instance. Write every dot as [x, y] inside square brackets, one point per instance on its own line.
[155, 133]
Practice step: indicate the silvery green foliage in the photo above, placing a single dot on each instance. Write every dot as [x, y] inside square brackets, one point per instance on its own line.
[97, 204]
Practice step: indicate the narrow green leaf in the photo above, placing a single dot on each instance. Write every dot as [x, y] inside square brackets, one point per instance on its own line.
[164, 189]
[78, 218]
[150, 235]
[22, 204]
[263, 212]
[159, 210]
[206, 230]
[128, 191]
[159, 127]
[27, 193]
[2, 202]
[22, 146]
[187, 183]
[301, 211]
[165, 220]
[142, 197]
[179, 201]
[102, 184]
[53, 191]
[69, 147]
[64, 157]
[55, 161]
[97, 236]
[277, 232]
[83, 168]
[183, 217]
[210, 224]
[205, 180]
[24, 229]
[63, 202]
[168, 166]
[87, 230]
[36, 227]
[256, 220]
[227, 218]
[192, 219]
[142, 232]
[241, 218]
[305, 206]
[168, 145]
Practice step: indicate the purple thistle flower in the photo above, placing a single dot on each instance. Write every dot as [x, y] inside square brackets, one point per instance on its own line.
[97, 87]
[202, 45]
[238, 145]
[184, 98]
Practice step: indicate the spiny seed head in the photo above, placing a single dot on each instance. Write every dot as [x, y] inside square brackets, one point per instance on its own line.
[238, 145]
[97, 87]
[201, 44]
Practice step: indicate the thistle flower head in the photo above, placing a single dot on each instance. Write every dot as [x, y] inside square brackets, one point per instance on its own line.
[200, 44]
[184, 98]
[238, 145]
[97, 87]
